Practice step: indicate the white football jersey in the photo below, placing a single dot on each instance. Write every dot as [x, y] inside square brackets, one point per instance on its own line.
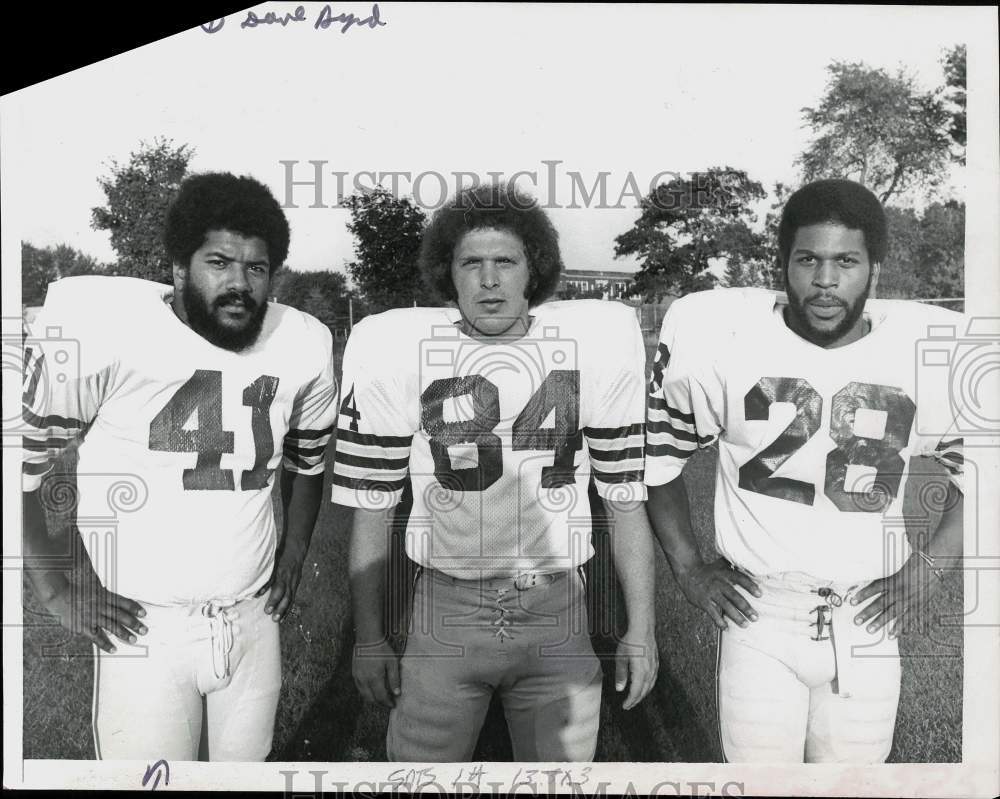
[180, 438]
[499, 439]
[814, 443]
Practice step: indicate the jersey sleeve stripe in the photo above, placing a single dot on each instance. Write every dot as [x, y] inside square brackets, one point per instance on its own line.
[44, 445]
[614, 432]
[366, 471]
[611, 455]
[297, 462]
[371, 440]
[955, 443]
[610, 444]
[52, 421]
[367, 484]
[309, 435]
[631, 476]
[306, 452]
[348, 459]
[654, 427]
[659, 450]
[657, 403]
[319, 468]
[364, 451]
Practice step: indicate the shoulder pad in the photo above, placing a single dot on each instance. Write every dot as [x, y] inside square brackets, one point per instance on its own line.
[98, 294]
[911, 312]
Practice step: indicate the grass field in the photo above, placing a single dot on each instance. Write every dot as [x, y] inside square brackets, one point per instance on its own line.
[321, 716]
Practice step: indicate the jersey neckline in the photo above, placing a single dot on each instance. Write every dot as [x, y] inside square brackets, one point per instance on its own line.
[875, 324]
[454, 317]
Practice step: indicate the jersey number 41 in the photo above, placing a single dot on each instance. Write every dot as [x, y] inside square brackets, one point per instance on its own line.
[203, 393]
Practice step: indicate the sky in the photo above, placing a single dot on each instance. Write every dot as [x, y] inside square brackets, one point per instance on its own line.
[623, 90]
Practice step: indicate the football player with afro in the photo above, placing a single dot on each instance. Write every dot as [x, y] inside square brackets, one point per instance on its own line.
[499, 408]
[811, 396]
[185, 401]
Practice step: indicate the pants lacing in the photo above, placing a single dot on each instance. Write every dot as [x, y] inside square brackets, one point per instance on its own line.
[220, 614]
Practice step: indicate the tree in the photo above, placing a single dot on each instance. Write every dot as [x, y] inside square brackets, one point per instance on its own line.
[387, 232]
[773, 274]
[686, 224]
[899, 277]
[878, 129]
[926, 257]
[138, 194]
[942, 250]
[746, 256]
[41, 265]
[954, 94]
[323, 294]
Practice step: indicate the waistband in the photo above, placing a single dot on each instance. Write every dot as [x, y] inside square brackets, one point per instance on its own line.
[193, 611]
[830, 617]
[806, 584]
[524, 581]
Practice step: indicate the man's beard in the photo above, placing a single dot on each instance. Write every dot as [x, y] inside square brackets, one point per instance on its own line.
[201, 317]
[802, 324]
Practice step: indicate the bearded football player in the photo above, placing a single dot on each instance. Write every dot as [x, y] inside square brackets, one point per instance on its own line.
[811, 398]
[190, 397]
[500, 410]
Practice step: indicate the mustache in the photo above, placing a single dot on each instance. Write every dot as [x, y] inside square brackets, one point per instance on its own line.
[826, 298]
[235, 296]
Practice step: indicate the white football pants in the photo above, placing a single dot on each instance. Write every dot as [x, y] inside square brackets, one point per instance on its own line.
[203, 681]
[785, 696]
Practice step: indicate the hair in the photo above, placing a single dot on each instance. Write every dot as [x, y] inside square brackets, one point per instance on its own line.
[843, 202]
[222, 201]
[493, 207]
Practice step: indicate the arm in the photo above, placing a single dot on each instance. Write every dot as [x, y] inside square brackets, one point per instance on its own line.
[709, 586]
[685, 413]
[55, 411]
[80, 603]
[900, 598]
[300, 498]
[375, 666]
[637, 658]
[303, 459]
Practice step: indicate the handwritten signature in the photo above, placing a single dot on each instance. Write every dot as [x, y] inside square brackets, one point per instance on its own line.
[161, 768]
[324, 20]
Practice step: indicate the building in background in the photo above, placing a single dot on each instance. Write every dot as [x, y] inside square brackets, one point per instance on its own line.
[612, 285]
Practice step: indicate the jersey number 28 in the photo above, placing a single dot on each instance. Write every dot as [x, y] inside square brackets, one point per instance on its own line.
[881, 454]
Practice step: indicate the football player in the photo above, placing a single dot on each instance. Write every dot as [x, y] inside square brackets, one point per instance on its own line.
[500, 410]
[184, 401]
[812, 400]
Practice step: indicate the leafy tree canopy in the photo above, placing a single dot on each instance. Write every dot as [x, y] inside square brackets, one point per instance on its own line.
[878, 129]
[387, 231]
[138, 194]
[41, 265]
[686, 224]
